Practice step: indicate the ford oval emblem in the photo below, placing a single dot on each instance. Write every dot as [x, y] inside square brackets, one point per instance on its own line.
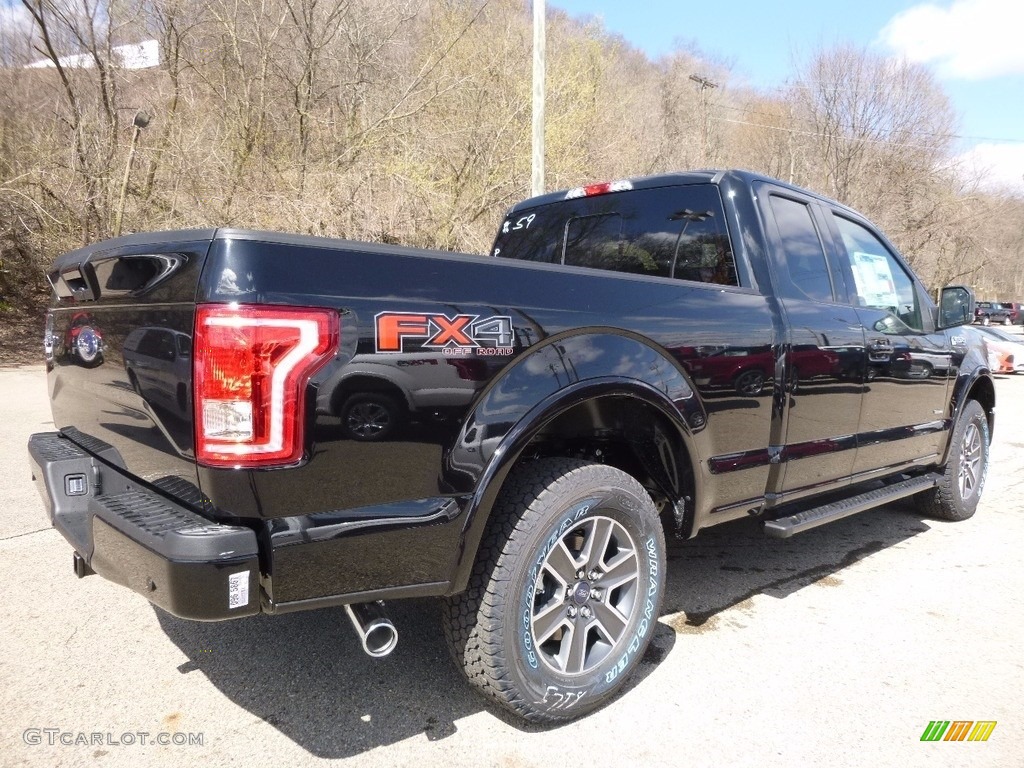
[88, 344]
[581, 593]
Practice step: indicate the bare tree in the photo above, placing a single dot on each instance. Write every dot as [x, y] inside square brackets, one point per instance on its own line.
[408, 121]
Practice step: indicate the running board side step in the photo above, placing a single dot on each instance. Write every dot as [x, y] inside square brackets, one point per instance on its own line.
[784, 527]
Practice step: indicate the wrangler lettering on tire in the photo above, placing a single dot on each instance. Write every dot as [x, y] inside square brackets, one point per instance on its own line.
[565, 592]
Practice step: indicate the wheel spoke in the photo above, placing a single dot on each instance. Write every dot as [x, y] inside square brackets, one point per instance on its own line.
[611, 621]
[577, 657]
[621, 570]
[561, 564]
[597, 542]
[547, 621]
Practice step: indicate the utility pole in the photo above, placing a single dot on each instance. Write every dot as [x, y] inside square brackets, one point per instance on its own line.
[141, 121]
[537, 186]
[704, 84]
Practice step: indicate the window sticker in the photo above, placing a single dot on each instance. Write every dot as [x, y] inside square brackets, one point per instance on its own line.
[875, 283]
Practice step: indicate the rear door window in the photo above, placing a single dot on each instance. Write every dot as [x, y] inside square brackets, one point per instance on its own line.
[803, 253]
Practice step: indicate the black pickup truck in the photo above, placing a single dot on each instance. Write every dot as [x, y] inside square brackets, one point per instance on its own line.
[988, 312]
[251, 422]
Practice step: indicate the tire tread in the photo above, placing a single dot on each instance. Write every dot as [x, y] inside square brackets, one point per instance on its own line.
[943, 502]
[474, 621]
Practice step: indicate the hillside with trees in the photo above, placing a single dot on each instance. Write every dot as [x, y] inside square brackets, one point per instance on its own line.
[407, 121]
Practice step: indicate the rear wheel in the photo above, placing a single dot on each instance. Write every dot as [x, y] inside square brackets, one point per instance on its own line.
[370, 416]
[750, 383]
[565, 592]
[963, 479]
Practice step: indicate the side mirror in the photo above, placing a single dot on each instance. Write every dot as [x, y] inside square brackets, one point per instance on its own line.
[956, 306]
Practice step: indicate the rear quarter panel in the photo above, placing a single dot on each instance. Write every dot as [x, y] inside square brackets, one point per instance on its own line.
[428, 457]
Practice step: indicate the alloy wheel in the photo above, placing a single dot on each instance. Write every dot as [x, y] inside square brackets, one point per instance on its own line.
[585, 594]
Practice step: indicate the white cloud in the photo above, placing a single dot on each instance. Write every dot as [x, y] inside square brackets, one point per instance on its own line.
[999, 166]
[970, 39]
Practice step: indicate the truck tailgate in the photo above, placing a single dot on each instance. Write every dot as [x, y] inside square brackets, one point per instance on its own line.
[118, 348]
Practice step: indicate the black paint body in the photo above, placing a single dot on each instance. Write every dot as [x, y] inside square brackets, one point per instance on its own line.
[723, 398]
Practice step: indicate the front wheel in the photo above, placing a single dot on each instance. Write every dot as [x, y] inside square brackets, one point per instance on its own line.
[957, 495]
[565, 592]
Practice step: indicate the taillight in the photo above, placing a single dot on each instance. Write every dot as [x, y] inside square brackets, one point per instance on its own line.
[252, 365]
[599, 189]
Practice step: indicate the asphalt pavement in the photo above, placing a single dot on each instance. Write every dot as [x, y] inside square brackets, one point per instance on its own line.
[835, 648]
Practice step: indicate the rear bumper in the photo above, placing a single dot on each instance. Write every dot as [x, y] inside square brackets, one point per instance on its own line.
[186, 564]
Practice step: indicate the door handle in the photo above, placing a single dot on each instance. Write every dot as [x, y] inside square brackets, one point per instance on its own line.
[879, 350]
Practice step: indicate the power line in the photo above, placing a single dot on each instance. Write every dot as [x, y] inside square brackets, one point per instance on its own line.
[818, 134]
[781, 90]
[750, 111]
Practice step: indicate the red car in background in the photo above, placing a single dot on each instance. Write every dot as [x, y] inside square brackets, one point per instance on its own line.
[1016, 313]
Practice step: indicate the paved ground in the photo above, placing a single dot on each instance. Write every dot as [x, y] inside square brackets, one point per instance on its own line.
[834, 648]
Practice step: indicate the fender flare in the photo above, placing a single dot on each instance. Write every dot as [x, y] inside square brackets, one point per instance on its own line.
[959, 399]
[508, 452]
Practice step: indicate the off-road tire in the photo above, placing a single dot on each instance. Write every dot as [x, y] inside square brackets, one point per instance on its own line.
[546, 507]
[957, 495]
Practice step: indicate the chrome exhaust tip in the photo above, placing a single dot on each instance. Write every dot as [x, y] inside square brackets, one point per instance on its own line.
[376, 632]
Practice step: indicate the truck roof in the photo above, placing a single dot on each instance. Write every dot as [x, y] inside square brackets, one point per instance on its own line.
[708, 176]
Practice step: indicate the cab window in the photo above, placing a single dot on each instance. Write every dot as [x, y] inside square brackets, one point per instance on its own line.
[879, 280]
[803, 252]
[676, 232]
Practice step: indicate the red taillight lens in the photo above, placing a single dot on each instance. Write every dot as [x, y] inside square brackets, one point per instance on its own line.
[252, 364]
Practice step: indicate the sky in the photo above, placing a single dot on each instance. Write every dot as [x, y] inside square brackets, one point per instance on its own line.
[975, 48]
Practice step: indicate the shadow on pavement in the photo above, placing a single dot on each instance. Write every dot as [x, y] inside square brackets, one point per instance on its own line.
[731, 563]
[305, 674]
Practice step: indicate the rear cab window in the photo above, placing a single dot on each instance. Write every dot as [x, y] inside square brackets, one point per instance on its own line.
[677, 232]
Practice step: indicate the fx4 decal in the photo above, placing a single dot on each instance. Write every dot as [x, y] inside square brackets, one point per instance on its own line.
[455, 336]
